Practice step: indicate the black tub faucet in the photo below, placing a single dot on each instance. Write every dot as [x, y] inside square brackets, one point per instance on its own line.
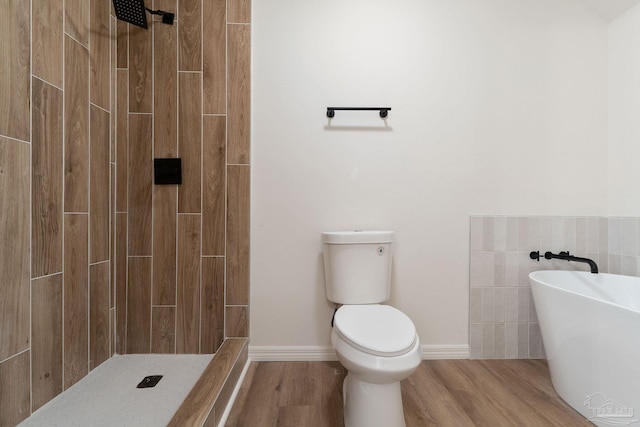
[565, 256]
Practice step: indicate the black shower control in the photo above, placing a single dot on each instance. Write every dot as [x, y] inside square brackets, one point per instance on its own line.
[167, 171]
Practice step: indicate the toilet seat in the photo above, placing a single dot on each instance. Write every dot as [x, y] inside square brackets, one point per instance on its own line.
[375, 329]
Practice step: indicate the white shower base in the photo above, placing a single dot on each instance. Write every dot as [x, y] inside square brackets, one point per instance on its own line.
[108, 395]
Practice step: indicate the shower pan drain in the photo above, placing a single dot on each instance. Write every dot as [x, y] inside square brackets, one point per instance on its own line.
[149, 381]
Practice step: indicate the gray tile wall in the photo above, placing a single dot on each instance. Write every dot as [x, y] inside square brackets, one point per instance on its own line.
[502, 315]
[624, 246]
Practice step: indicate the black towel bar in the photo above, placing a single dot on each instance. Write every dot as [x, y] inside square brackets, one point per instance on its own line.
[384, 111]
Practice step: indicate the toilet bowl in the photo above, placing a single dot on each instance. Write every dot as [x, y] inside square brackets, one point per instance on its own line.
[379, 347]
[376, 343]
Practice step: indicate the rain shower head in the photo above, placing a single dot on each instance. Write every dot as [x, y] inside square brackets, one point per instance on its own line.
[131, 11]
[134, 12]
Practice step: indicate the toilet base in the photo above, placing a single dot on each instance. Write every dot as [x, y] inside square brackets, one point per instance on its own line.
[372, 405]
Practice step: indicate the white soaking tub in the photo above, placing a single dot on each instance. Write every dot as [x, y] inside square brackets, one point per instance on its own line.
[590, 325]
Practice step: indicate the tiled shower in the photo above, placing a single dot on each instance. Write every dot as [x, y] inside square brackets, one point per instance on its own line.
[95, 258]
[502, 316]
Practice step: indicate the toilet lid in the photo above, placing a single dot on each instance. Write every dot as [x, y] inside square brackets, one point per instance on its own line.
[376, 329]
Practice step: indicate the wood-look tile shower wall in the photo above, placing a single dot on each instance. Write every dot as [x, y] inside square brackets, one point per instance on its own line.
[86, 237]
[56, 305]
[182, 252]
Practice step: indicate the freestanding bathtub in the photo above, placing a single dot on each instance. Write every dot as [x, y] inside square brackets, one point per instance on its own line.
[590, 325]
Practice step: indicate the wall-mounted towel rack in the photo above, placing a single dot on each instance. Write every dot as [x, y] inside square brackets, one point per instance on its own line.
[384, 111]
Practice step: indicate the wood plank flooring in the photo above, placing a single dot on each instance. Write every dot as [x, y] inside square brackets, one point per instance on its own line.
[440, 393]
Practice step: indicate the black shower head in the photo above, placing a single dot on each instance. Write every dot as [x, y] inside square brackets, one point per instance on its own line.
[131, 11]
[134, 12]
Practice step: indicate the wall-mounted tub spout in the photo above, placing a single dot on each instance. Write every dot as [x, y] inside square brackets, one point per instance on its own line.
[565, 256]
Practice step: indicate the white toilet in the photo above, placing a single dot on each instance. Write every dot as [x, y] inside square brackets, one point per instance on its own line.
[376, 343]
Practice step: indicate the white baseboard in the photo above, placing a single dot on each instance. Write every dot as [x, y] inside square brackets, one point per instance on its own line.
[290, 353]
[445, 351]
[320, 353]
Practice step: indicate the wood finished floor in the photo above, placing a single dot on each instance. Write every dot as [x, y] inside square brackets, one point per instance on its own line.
[441, 393]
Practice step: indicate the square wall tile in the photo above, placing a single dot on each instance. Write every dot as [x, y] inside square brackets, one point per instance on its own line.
[482, 270]
[523, 234]
[475, 305]
[630, 236]
[475, 341]
[615, 235]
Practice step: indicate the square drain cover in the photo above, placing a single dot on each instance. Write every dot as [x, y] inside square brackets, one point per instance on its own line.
[149, 381]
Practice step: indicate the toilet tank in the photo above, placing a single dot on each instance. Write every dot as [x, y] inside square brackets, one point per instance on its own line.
[357, 266]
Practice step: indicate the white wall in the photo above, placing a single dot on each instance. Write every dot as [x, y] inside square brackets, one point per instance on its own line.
[499, 107]
[624, 114]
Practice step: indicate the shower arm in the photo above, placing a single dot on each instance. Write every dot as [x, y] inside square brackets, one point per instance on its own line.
[167, 17]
